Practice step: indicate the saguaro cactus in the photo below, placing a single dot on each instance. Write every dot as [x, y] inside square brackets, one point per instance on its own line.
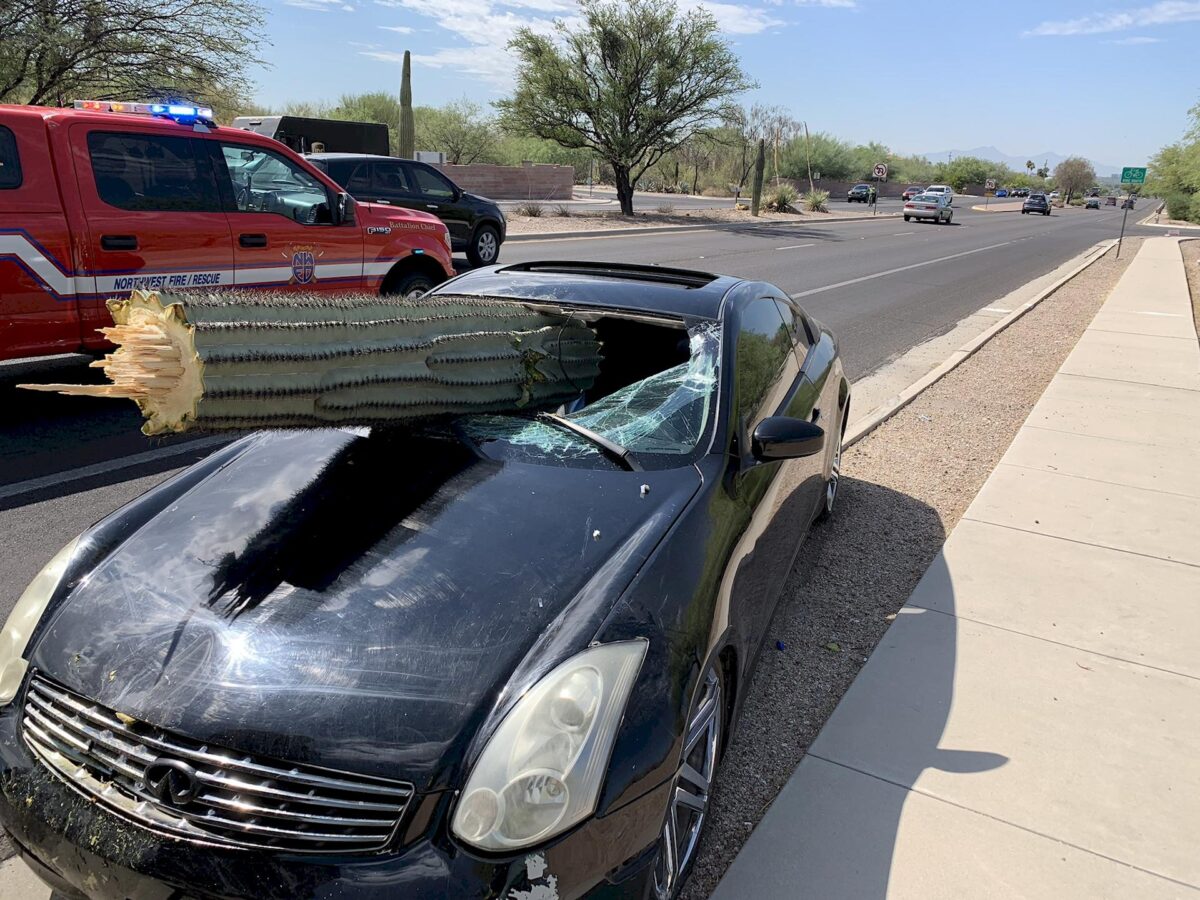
[407, 135]
[759, 165]
[226, 361]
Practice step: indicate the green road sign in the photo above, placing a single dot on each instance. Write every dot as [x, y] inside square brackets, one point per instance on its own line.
[1130, 175]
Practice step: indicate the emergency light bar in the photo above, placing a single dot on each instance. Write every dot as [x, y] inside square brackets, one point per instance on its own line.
[175, 111]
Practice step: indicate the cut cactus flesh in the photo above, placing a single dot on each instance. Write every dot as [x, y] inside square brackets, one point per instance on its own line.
[240, 361]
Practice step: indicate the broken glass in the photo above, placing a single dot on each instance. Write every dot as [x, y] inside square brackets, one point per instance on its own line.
[666, 413]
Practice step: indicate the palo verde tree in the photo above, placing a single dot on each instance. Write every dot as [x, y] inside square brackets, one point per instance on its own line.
[55, 51]
[1074, 176]
[633, 82]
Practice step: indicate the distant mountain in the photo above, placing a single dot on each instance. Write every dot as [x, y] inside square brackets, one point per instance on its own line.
[1018, 162]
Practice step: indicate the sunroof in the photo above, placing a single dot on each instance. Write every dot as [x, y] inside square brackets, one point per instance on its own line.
[656, 274]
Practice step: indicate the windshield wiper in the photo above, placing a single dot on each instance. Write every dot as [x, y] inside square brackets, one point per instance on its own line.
[611, 449]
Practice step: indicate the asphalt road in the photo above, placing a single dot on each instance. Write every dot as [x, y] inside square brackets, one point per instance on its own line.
[883, 286]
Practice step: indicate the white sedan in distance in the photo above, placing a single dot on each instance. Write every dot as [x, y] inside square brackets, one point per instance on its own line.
[929, 206]
[942, 189]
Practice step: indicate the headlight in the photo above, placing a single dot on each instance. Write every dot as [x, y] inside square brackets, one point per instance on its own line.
[446, 238]
[24, 618]
[541, 771]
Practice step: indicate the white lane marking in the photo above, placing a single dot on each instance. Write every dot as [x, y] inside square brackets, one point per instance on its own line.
[995, 309]
[103, 468]
[928, 262]
[903, 233]
[795, 246]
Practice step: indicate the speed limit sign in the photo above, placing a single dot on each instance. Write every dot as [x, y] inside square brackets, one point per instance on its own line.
[880, 171]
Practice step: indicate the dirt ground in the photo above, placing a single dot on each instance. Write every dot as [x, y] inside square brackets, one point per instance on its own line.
[904, 488]
[1191, 262]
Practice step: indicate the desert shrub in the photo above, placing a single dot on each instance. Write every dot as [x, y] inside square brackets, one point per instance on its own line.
[817, 201]
[1185, 207]
[781, 198]
[1077, 201]
[563, 210]
[667, 209]
[531, 208]
[715, 191]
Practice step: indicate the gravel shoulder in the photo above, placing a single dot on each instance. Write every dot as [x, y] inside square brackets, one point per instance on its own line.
[593, 221]
[903, 489]
[1191, 262]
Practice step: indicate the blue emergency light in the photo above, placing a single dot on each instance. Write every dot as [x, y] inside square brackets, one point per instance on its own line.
[183, 114]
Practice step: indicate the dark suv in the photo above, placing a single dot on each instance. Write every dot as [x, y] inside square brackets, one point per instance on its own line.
[1036, 203]
[476, 224]
[860, 193]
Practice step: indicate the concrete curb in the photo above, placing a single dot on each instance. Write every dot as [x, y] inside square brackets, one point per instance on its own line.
[882, 413]
[666, 229]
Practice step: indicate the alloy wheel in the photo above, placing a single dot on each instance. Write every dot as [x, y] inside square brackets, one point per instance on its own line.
[690, 794]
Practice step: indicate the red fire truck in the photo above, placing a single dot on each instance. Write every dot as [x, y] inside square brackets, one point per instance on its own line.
[107, 197]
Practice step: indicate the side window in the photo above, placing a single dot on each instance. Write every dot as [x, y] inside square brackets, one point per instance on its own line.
[10, 163]
[264, 181]
[152, 173]
[794, 321]
[763, 348]
[357, 180]
[390, 180]
[430, 184]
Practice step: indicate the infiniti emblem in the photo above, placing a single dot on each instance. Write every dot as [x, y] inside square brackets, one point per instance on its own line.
[171, 781]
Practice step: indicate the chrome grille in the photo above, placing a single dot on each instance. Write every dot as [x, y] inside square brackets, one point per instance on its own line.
[238, 800]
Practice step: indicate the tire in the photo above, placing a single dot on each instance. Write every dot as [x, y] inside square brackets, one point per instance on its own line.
[906, 218]
[835, 469]
[688, 809]
[949, 218]
[484, 248]
[411, 285]
[1046, 213]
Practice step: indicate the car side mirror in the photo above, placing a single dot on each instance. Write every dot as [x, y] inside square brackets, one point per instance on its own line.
[345, 210]
[782, 437]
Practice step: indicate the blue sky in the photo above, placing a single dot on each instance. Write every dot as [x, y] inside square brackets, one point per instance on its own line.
[1111, 81]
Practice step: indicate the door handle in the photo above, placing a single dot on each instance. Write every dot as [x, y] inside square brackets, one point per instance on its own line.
[431, 206]
[252, 240]
[118, 242]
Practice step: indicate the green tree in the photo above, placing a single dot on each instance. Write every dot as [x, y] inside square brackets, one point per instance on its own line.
[460, 129]
[55, 51]
[1074, 175]
[632, 82]
[1175, 173]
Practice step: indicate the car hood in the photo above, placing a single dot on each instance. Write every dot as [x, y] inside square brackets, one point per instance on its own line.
[386, 214]
[354, 601]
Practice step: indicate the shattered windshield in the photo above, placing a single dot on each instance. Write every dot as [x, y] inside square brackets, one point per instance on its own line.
[667, 413]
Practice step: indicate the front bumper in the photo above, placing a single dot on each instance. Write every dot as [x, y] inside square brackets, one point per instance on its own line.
[82, 849]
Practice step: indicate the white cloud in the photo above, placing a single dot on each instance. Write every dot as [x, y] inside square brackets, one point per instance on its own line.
[1134, 41]
[320, 5]
[1166, 12]
[483, 28]
[399, 29]
[830, 4]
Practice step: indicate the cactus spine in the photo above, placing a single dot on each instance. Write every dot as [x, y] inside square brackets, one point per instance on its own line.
[231, 361]
[407, 135]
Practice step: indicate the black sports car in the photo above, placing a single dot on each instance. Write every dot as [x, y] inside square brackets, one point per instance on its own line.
[496, 656]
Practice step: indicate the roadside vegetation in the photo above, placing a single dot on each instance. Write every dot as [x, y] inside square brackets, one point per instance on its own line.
[1175, 173]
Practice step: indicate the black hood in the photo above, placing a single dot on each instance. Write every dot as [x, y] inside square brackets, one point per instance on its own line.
[353, 601]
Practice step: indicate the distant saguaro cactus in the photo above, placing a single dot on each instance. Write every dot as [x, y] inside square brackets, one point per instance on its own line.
[407, 127]
[759, 165]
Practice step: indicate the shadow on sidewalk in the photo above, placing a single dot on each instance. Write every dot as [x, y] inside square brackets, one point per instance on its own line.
[850, 579]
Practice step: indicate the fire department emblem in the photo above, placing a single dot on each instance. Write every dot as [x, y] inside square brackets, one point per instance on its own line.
[304, 264]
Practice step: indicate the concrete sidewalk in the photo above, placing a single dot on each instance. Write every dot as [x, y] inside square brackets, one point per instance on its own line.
[1029, 726]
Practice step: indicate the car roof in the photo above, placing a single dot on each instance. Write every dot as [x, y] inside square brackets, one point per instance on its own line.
[645, 289]
[130, 121]
[353, 156]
